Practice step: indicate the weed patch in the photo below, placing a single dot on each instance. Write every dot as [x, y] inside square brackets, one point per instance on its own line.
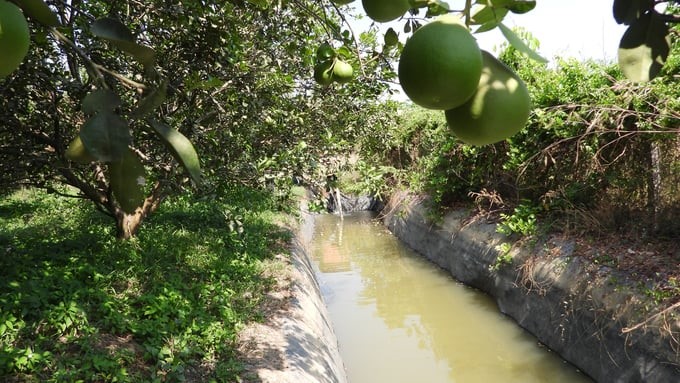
[78, 305]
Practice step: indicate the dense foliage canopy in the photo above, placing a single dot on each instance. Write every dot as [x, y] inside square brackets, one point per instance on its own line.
[231, 83]
[112, 97]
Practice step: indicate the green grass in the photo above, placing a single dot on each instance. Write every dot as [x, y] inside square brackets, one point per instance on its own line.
[78, 305]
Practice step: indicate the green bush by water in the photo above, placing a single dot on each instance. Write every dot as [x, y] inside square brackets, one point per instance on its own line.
[598, 153]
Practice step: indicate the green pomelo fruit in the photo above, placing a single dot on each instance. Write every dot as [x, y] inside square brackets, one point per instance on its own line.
[14, 38]
[440, 65]
[324, 52]
[323, 73]
[76, 152]
[127, 181]
[383, 11]
[499, 109]
[342, 72]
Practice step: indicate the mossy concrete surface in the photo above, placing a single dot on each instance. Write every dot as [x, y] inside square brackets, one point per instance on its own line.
[296, 344]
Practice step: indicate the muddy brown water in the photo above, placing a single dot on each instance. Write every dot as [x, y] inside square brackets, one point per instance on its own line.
[399, 318]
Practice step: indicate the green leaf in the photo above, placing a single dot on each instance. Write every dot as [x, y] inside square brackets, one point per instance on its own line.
[487, 27]
[120, 36]
[152, 101]
[436, 8]
[39, 11]
[105, 136]
[344, 52]
[391, 38]
[145, 55]
[111, 29]
[627, 11]
[520, 45]
[521, 6]
[644, 48]
[100, 100]
[128, 177]
[488, 18]
[181, 148]
[488, 15]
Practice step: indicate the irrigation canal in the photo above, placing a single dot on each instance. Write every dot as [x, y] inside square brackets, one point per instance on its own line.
[399, 318]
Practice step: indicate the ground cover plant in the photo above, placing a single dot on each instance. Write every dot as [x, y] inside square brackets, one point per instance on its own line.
[78, 305]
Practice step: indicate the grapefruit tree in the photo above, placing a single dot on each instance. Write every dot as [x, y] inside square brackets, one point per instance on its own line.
[117, 82]
[440, 64]
[122, 113]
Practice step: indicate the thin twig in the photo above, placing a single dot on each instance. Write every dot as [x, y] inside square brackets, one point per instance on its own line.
[124, 80]
[626, 330]
[354, 37]
[93, 67]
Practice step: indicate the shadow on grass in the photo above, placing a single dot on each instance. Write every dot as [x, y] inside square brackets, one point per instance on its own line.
[77, 304]
[15, 209]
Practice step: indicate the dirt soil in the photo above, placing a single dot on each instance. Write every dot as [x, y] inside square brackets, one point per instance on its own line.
[262, 345]
[654, 265]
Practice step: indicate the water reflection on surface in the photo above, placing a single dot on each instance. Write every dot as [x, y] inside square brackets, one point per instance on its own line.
[399, 318]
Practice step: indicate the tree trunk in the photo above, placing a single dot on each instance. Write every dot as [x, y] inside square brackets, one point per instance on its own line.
[654, 184]
[127, 225]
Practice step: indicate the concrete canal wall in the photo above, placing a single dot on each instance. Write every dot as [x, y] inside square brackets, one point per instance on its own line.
[296, 344]
[577, 310]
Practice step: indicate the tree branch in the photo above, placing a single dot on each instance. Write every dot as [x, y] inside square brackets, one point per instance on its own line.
[90, 65]
[100, 199]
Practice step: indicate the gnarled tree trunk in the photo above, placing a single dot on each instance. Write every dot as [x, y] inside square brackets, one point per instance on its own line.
[127, 225]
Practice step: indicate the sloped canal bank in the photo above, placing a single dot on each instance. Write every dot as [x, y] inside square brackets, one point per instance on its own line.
[589, 314]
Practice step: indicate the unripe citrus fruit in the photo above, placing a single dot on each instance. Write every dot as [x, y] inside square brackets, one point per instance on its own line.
[499, 109]
[76, 152]
[383, 11]
[440, 65]
[14, 37]
[342, 72]
[323, 72]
